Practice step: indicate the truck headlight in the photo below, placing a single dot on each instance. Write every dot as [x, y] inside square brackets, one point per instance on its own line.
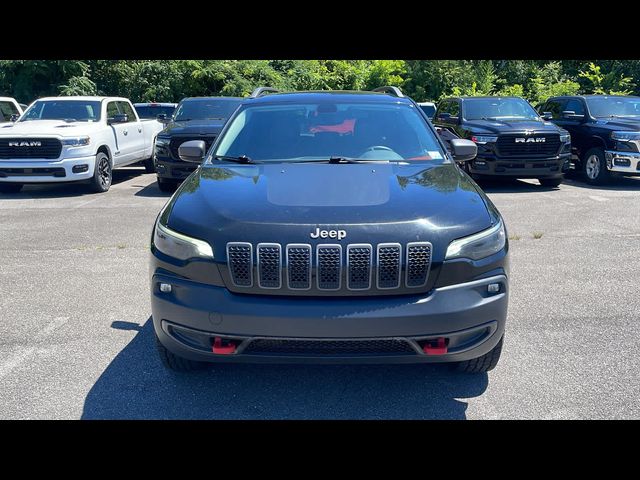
[180, 246]
[479, 245]
[565, 138]
[76, 141]
[484, 139]
[625, 136]
[162, 142]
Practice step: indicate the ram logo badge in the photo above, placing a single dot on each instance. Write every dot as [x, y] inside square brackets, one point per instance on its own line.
[531, 140]
[339, 234]
[25, 144]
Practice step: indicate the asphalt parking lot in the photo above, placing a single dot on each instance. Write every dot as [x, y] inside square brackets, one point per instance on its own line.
[76, 339]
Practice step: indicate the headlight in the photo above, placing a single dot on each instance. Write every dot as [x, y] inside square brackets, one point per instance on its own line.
[180, 246]
[162, 142]
[479, 245]
[625, 136]
[484, 139]
[76, 141]
[565, 138]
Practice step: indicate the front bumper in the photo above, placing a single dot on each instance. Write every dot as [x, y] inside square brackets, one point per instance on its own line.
[47, 171]
[188, 319]
[491, 165]
[171, 169]
[623, 162]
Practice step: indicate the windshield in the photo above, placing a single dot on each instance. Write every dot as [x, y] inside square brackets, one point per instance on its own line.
[70, 110]
[320, 131]
[205, 109]
[614, 106]
[498, 109]
[153, 111]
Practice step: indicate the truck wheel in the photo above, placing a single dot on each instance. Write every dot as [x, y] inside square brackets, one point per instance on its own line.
[550, 182]
[10, 187]
[102, 174]
[484, 363]
[167, 185]
[594, 167]
[174, 362]
[149, 166]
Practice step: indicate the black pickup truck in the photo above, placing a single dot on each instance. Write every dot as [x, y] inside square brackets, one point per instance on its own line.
[513, 140]
[196, 118]
[605, 133]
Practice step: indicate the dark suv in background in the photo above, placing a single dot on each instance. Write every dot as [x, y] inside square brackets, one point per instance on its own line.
[605, 133]
[513, 140]
[197, 118]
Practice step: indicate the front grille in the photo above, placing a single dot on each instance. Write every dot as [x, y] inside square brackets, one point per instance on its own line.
[269, 265]
[418, 263]
[329, 258]
[299, 266]
[330, 347]
[240, 258]
[44, 148]
[506, 146]
[32, 172]
[175, 143]
[359, 267]
[392, 264]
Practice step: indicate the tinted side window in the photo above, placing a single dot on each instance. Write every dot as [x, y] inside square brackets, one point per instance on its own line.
[126, 108]
[112, 109]
[454, 109]
[575, 105]
[6, 110]
[555, 107]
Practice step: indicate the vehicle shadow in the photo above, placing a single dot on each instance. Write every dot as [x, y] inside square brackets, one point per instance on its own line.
[152, 190]
[509, 185]
[618, 183]
[74, 189]
[136, 385]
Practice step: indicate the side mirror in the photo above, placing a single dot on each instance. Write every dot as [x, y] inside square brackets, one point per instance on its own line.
[463, 150]
[547, 116]
[192, 151]
[119, 118]
[571, 115]
[14, 117]
[444, 117]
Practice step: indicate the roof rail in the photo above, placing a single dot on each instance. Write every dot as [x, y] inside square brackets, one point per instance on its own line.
[395, 91]
[260, 91]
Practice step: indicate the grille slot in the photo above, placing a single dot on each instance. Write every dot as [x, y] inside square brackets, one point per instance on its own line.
[506, 146]
[299, 266]
[49, 148]
[418, 263]
[389, 265]
[391, 346]
[269, 265]
[175, 143]
[329, 265]
[240, 261]
[359, 266]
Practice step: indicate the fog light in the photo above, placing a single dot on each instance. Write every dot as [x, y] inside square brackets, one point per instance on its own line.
[165, 288]
[493, 288]
[80, 168]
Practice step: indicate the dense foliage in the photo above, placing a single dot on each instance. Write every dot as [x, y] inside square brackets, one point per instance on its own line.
[171, 80]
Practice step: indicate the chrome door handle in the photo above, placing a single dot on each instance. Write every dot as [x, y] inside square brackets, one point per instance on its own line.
[124, 132]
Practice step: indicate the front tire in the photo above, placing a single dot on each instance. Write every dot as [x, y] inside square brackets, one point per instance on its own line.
[167, 185]
[550, 182]
[482, 364]
[149, 166]
[173, 362]
[594, 167]
[10, 187]
[102, 174]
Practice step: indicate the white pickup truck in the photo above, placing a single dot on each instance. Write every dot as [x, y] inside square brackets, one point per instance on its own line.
[66, 139]
[9, 108]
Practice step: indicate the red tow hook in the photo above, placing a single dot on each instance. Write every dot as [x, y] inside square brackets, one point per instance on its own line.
[437, 347]
[220, 349]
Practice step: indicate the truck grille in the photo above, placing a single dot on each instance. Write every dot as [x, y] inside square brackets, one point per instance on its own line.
[175, 143]
[44, 148]
[329, 347]
[506, 146]
[328, 274]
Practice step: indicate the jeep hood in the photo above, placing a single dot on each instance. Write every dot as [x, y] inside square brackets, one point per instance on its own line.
[374, 203]
[511, 126]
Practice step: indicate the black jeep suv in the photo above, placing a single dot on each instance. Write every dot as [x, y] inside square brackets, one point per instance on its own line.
[196, 118]
[513, 140]
[329, 227]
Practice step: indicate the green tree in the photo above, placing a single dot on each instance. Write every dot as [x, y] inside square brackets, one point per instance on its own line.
[612, 82]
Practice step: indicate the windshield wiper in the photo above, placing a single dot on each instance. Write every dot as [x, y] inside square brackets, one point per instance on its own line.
[240, 159]
[183, 119]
